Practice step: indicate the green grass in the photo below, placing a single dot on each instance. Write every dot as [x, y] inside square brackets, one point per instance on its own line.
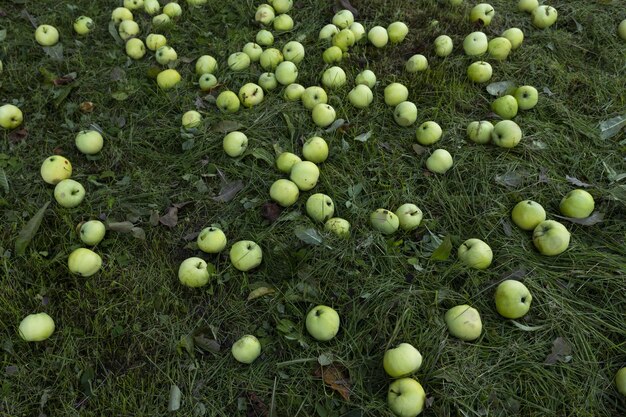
[115, 348]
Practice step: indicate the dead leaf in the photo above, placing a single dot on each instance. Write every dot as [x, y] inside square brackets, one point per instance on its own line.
[260, 292]
[419, 149]
[228, 191]
[594, 219]
[561, 352]
[576, 181]
[271, 211]
[226, 126]
[257, 407]
[510, 179]
[19, 135]
[29, 17]
[65, 80]
[86, 107]
[170, 219]
[336, 377]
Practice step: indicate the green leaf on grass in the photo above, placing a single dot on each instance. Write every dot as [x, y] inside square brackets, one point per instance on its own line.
[260, 153]
[29, 231]
[292, 130]
[363, 137]
[611, 127]
[4, 182]
[442, 252]
[310, 236]
[113, 31]
[55, 52]
[175, 396]
[227, 126]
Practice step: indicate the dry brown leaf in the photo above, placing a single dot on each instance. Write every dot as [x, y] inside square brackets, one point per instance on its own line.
[271, 211]
[257, 407]
[336, 377]
[19, 135]
[86, 107]
[170, 219]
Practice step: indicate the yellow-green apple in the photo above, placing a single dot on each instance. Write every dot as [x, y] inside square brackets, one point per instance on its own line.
[267, 81]
[294, 52]
[409, 216]
[515, 36]
[251, 94]
[228, 102]
[161, 20]
[196, 3]
[482, 14]
[512, 299]
[506, 134]
[397, 31]
[283, 22]
[246, 349]
[378, 36]
[402, 360]
[405, 113]
[505, 106]
[168, 78]
[440, 161]
[286, 161]
[127, 29]
[480, 131]
[165, 54]
[89, 142]
[206, 64]
[332, 55]
[621, 31]
[527, 97]
[443, 45]
[36, 327]
[528, 214]
[55, 168]
[333, 77]
[395, 93]
[323, 115]
[173, 10]
[83, 25]
[544, 16]
[284, 192]
[304, 174]
[270, 58]
[358, 30]
[152, 7]
[10, 116]
[293, 92]
[191, 119]
[313, 96]
[366, 77]
[475, 253]
[464, 322]
[235, 144]
[527, 5]
[340, 227]
[455, 2]
[327, 32]
[264, 37]
[92, 232]
[360, 96]
[238, 61]
[416, 63]
[344, 39]
[264, 14]
[121, 13]
[211, 240]
[577, 204]
[320, 207]
[476, 43]
[245, 255]
[315, 149]
[551, 238]
[282, 6]
[46, 35]
[620, 376]
[154, 41]
[343, 19]
[406, 397]
[133, 4]
[193, 272]
[286, 73]
[84, 262]
[384, 221]
[499, 48]
[253, 50]
[135, 48]
[322, 322]
[69, 193]
[479, 72]
[428, 133]
[207, 81]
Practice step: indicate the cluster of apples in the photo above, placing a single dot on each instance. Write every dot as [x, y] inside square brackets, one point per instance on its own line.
[542, 16]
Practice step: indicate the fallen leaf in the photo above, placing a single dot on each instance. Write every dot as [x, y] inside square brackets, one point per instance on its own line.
[118, 74]
[86, 107]
[113, 31]
[500, 88]
[548, 92]
[29, 231]
[442, 252]
[170, 219]
[325, 359]
[226, 126]
[271, 211]
[527, 328]
[19, 135]
[561, 352]
[256, 407]
[260, 292]
[337, 124]
[66, 79]
[175, 396]
[576, 181]
[363, 137]
[510, 179]
[4, 181]
[336, 377]
[594, 219]
[204, 338]
[516, 274]
[419, 149]
[30, 18]
[54, 52]
[228, 191]
[612, 127]
[310, 236]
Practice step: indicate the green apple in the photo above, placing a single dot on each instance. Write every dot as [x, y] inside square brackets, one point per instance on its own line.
[479, 72]
[476, 43]
[84, 262]
[69, 193]
[191, 119]
[409, 216]
[246, 349]
[528, 214]
[270, 58]
[36, 327]
[168, 78]
[313, 96]
[83, 25]
[333, 77]
[405, 113]
[506, 134]
[282, 6]
[464, 322]
[499, 48]
[512, 299]
[378, 36]
[505, 107]
[283, 23]
[133, 4]
[46, 35]
[152, 7]
[228, 102]
[577, 204]
[406, 397]
[358, 31]
[416, 63]
[286, 73]
[251, 94]
[245, 255]
[327, 32]
[366, 77]
[89, 142]
[475, 253]
[211, 240]
[620, 376]
[165, 54]
[344, 39]
[395, 93]
[55, 168]
[235, 144]
[253, 50]
[515, 36]
[384, 221]
[173, 10]
[304, 174]
[294, 52]
[332, 55]
[315, 149]
[267, 81]
[128, 29]
[238, 61]
[443, 45]
[161, 20]
[92, 232]
[264, 14]
[193, 272]
[527, 5]
[402, 360]
[343, 19]
[264, 38]
[195, 3]
[527, 97]
[206, 64]
[482, 13]
[10, 116]
[284, 192]
[121, 13]
[360, 96]
[135, 48]
[551, 237]
[323, 115]
[154, 41]
[544, 16]
[439, 162]
[397, 31]
[340, 227]
[207, 82]
[322, 322]
[480, 131]
[293, 92]
[428, 133]
[621, 31]
[455, 2]
[320, 207]
[286, 161]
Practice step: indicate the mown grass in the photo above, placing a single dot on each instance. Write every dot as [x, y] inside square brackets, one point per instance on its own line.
[115, 348]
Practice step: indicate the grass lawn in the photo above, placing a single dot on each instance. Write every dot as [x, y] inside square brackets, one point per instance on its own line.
[128, 334]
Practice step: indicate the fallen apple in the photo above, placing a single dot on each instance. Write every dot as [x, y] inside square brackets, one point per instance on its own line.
[83, 25]
[211, 240]
[439, 162]
[251, 94]
[443, 46]
[506, 107]
[253, 50]
[247, 349]
[313, 96]
[69, 193]
[366, 77]
[207, 82]
[527, 97]
[402, 360]
[480, 131]
[620, 377]
[499, 48]
[305, 175]
[268, 82]
[323, 115]
[173, 10]
[327, 32]
[577, 204]
[395, 93]
[409, 216]
[55, 168]
[475, 253]
[406, 397]
[320, 207]
[193, 272]
[384, 221]
[92, 232]
[512, 299]
[322, 322]
[360, 96]
[235, 144]
[294, 52]
[84, 262]
[340, 227]
[506, 134]
[397, 31]
[464, 322]
[428, 133]
[206, 64]
[284, 192]
[154, 41]
[270, 58]
[515, 36]
[286, 73]
[168, 79]
[238, 61]
[286, 161]
[378, 36]
[527, 5]
[228, 102]
[551, 238]
[343, 19]
[46, 35]
[544, 16]
[264, 38]
[293, 92]
[476, 43]
[10, 116]
[283, 23]
[315, 149]
[36, 327]
[121, 13]
[165, 55]
[482, 13]
[334, 77]
[127, 29]
[245, 255]
[479, 72]
[416, 63]
[528, 214]
[135, 48]
[405, 113]
[191, 119]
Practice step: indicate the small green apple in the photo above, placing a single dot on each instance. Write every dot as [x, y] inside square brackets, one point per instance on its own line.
[245, 255]
[515, 36]
[327, 32]
[406, 397]
[480, 131]
[620, 376]
[528, 214]
[527, 5]
[264, 14]
[409, 216]
[366, 77]
[384, 221]
[479, 72]
[270, 58]
[92, 232]
[55, 168]
[286, 73]
[397, 31]
[267, 81]
[46, 35]
[235, 144]
[544, 16]
[283, 23]
[133, 4]
[323, 115]
[282, 6]
[482, 14]
[320, 207]
[464, 322]
[340, 227]
[344, 39]
[264, 38]
[173, 10]
[69, 193]
[83, 25]
[505, 107]
[428, 133]
[246, 349]
[191, 119]
[206, 64]
[294, 52]
[358, 30]
[253, 50]
[332, 55]
[284, 192]
[168, 78]
[135, 48]
[286, 161]
[343, 19]
[402, 360]
[395, 93]
[360, 96]
[621, 31]
[440, 161]
[527, 97]
[128, 29]
[305, 175]
[416, 63]
[121, 13]
[238, 61]
[443, 45]
[512, 299]
[84, 262]
[315, 149]
[251, 94]
[10, 116]
[499, 48]
[154, 41]
[475, 253]
[36, 327]
[193, 272]
[378, 36]
[152, 7]
[322, 322]
[405, 113]
[476, 43]
[334, 77]
[313, 96]
[161, 20]
[506, 134]
[211, 240]
[206, 82]
[577, 204]
[551, 238]
[293, 92]
[228, 102]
